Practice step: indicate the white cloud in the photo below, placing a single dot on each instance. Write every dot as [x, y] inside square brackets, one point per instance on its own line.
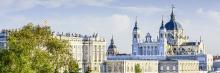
[210, 28]
[14, 21]
[142, 10]
[94, 2]
[112, 23]
[58, 3]
[17, 5]
[115, 24]
[212, 15]
[120, 22]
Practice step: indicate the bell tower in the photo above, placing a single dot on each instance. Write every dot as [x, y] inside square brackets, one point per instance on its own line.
[135, 39]
[162, 39]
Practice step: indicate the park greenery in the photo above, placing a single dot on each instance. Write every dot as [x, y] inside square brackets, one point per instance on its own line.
[137, 68]
[34, 49]
[89, 70]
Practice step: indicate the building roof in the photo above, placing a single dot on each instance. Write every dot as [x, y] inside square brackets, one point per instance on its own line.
[112, 45]
[172, 24]
[189, 43]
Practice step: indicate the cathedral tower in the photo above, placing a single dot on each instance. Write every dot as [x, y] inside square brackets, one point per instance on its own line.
[136, 39]
[162, 39]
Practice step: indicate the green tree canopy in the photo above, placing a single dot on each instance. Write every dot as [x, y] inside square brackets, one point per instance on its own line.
[89, 70]
[34, 49]
[137, 68]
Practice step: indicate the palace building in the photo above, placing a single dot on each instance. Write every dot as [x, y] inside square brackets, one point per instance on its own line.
[88, 51]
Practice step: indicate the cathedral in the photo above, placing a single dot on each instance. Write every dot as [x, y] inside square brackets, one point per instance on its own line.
[171, 41]
[171, 52]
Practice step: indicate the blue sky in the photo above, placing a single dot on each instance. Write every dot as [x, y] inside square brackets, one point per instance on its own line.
[116, 17]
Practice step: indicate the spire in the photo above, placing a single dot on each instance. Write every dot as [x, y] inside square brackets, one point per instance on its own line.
[200, 39]
[112, 49]
[162, 24]
[172, 13]
[135, 27]
[136, 21]
[112, 40]
[162, 20]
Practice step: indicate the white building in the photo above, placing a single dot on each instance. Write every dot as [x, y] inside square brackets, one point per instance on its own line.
[87, 50]
[172, 44]
[128, 66]
[216, 67]
[171, 41]
[178, 66]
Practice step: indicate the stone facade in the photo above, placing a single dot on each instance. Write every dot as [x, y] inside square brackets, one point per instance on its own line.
[178, 66]
[128, 66]
[87, 50]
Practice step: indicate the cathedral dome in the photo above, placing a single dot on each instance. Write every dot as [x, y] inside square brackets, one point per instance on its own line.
[173, 25]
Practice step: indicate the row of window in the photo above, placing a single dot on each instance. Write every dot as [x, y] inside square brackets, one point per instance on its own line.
[148, 47]
[168, 68]
[149, 52]
[94, 46]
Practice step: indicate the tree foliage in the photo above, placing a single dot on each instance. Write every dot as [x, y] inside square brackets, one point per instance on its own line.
[137, 68]
[89, 70]
[34, 49]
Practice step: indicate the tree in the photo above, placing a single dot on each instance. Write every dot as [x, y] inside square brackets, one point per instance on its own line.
[137, 68]
[89, 70]
[73, 66]
[34, 49]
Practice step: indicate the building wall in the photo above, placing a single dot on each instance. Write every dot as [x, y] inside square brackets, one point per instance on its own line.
[128, 66]
[188, 66]
[168, 66]
[205, 62]
[149, 48]
[87, 50]
[216, 65]
[178, 66]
